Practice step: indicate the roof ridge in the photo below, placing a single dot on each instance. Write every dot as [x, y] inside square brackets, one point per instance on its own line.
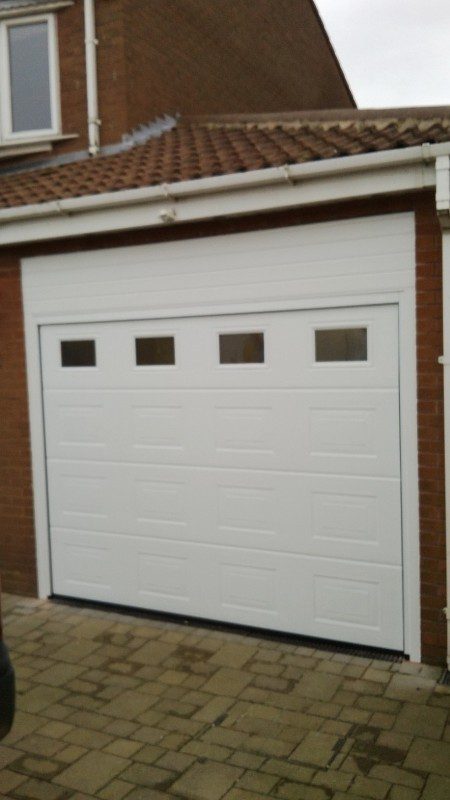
[324, 125]
[325, 115]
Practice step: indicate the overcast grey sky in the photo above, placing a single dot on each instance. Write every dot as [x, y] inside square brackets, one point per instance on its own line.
[393, 52]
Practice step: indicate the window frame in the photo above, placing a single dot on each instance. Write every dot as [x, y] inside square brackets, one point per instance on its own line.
[7, 135]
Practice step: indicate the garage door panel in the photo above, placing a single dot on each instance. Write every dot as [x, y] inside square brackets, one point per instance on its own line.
[289, 352]
[331, 431]
[241, 467]
[343, 517]
[312, 596]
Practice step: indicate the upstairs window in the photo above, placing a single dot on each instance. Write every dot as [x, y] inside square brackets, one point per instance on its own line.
[28, 78]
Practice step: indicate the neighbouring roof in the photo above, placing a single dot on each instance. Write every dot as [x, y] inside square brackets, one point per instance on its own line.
[203, 147]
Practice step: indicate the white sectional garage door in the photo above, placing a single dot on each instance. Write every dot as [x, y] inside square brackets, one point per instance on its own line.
[243, 468]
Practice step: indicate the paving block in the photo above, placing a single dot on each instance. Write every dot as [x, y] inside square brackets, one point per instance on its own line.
[396, 775]
[147, 775]
[128, 705]
[207, 781]
[429, 756]
[299, 791]
[123, 747]
[318, 686]
[116, 790]
[410, 688]
[417, 721]
[403, 793]
[151, 653]
[41, 790]
[9, 781]
[228, 682]
[436, 788]
[233, 655]
[257, 781]
[316, 748]
[370, 787]
[92, 772]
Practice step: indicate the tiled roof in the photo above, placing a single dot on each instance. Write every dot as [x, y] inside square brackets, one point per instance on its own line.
[203, 147]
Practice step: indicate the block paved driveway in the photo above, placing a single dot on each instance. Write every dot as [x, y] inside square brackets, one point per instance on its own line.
[114, 706]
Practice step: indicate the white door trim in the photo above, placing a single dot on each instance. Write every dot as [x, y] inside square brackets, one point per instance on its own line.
[403, 295]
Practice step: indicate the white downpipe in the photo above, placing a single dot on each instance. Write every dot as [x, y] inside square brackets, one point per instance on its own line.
[91, 77]
[443, 209]
[445, 360]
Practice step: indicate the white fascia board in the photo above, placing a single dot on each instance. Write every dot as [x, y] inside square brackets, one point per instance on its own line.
[270, 189]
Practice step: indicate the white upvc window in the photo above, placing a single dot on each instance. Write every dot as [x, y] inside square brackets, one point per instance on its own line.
[29, 85]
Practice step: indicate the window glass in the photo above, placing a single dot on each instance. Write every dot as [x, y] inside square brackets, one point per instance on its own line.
[155, 351]
[29, 77]
[78, 353]
[341, 344]
[241, 348]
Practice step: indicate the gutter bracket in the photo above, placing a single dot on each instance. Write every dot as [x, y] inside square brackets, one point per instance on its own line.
[167, 193]
[287, 175]
[427, 153]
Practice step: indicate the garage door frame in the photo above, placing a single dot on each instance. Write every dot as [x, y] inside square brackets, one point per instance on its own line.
[396, 286]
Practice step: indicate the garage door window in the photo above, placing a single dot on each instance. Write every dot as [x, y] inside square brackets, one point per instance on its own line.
[241, 348]
[154, 351]
[341, 344]
[78, 353]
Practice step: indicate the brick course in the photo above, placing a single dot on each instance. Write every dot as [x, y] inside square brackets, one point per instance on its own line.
[17, 555]
[16, 540]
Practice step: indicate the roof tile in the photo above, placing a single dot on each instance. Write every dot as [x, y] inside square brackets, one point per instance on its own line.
[202, 147]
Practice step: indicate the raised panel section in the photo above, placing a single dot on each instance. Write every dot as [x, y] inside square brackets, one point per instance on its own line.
[248, 588]
[162, 576]
[342, 431]
[247, 509]
[345, 518]
[157, 427]
[87, 566]
[350, 602]
[83, 496]
[160, 501]
[244, 429]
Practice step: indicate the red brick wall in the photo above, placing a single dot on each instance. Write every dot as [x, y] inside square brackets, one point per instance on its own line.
[17, 556]
[227, 56]
[431, 430]
[70, 24]
[16, 540]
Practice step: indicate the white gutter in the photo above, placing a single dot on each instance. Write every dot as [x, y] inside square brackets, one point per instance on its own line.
[392, 171]
[91, 43]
